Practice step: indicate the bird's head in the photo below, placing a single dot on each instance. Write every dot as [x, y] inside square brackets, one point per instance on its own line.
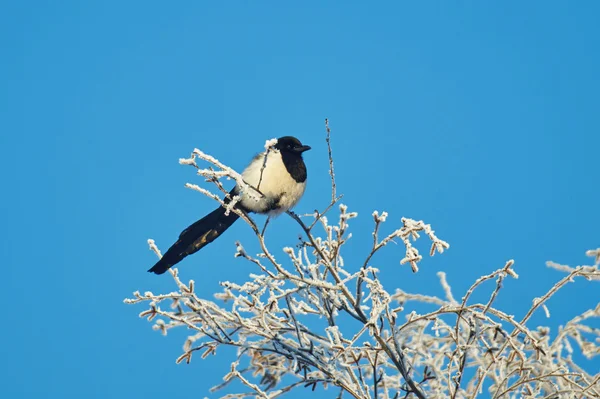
[291, 144]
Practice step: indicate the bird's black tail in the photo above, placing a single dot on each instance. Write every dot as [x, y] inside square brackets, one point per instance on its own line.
[195, 237]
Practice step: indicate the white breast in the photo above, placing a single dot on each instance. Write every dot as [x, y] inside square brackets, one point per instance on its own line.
[276, 183]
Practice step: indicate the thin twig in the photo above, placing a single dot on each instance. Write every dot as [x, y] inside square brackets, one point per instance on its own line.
[331, 171]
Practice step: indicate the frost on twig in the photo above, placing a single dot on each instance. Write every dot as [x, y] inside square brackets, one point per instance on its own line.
[316, 319]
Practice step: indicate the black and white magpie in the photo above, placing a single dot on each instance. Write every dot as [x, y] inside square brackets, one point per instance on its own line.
[278, 174]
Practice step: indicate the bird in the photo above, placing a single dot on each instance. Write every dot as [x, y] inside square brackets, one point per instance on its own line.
[278, 174]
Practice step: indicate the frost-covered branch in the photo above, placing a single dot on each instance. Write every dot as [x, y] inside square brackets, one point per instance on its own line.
[315, 319]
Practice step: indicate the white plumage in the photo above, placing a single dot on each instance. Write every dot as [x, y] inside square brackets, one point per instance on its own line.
[277, 185]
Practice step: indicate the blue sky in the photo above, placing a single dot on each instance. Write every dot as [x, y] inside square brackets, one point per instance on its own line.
[480, 118]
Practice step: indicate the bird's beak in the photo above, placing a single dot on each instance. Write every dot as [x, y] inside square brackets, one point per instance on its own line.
[300, 149]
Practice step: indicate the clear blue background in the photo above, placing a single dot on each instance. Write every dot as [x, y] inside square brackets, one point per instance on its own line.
[481, 119]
